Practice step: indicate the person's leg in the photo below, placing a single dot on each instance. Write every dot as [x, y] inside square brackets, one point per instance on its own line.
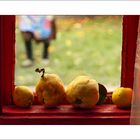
[45, 50]
[45, 54]
[27, 37]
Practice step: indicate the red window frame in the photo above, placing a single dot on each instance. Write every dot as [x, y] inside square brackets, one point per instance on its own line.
[7, 71]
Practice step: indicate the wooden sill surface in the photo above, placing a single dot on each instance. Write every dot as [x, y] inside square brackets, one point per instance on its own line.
[65, 114]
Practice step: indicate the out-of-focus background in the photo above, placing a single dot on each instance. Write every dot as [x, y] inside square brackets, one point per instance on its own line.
[85, 45]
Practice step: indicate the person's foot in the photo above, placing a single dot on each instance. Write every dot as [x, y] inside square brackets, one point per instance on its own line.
[45, 61]
[27, 63]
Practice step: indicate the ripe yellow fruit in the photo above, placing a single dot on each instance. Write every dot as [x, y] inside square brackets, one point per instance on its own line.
[122, 97]
[23, 96]
[83, 92]
[50, 90]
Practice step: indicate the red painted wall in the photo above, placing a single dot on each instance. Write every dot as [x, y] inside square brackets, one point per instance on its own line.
[7, 57]
[130, 29]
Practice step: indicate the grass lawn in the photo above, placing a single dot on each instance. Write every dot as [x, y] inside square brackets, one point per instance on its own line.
[87, 46]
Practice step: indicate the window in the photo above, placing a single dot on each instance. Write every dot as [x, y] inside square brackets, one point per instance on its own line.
[88, 45]
[64, 115]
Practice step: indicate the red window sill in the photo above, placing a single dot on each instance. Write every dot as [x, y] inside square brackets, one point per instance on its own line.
[103, 114]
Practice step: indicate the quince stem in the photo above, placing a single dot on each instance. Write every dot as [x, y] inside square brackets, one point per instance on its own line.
[40, 70]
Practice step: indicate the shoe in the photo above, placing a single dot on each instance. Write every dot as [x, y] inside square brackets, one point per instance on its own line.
[45, 61]
[27, 63]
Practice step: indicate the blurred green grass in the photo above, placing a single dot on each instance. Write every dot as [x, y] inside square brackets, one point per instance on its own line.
[84, 46]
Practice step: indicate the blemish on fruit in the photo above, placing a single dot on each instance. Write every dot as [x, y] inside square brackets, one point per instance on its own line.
[78, 101]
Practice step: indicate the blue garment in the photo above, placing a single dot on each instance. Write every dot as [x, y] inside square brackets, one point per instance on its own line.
[38, 25]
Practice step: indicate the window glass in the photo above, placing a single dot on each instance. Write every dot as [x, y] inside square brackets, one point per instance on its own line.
[84, 45]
